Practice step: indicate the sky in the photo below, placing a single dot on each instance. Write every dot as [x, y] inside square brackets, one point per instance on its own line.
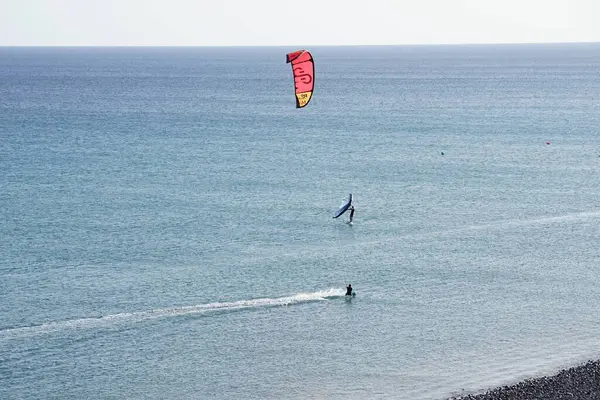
[295, 22]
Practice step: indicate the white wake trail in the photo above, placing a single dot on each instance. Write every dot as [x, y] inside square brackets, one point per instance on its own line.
[132, 317]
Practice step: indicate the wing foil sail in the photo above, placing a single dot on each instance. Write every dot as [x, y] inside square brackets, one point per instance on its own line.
[344, 207]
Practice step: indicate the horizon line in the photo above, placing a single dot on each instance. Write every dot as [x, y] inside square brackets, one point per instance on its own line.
[292, 45]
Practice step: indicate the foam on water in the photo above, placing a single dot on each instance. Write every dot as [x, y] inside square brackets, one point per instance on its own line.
[121, 318]
[499, 225]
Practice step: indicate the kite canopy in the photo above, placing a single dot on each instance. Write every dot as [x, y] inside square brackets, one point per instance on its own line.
[303, 68]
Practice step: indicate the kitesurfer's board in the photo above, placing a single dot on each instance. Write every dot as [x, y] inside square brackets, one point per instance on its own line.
[344, 207]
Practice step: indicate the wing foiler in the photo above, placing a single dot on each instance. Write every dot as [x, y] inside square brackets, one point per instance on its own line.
[344, 207]
[303, 68]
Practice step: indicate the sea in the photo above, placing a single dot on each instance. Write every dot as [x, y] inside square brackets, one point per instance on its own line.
[166, 225]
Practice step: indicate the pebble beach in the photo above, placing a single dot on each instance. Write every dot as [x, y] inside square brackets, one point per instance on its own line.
[579, 383]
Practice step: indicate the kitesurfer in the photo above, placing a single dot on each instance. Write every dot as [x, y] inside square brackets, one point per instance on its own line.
[349, 290]
[351, 213]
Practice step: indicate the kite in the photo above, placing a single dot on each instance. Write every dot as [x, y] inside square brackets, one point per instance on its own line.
[303, 68]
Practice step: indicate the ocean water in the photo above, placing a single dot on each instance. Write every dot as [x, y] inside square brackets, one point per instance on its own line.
[166, 225]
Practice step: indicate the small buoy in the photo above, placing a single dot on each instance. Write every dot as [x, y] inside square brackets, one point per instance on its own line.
[547, 142]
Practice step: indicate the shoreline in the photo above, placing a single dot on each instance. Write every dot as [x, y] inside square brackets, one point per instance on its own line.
[577, 383]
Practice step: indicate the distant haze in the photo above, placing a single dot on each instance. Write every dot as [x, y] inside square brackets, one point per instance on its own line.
[307, 22]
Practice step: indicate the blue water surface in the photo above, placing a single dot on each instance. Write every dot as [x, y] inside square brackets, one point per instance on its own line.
[166, 225]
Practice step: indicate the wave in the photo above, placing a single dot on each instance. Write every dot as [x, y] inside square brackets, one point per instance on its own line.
[132, 317]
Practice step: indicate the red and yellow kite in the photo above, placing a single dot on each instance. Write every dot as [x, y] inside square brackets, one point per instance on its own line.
[303, 68]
